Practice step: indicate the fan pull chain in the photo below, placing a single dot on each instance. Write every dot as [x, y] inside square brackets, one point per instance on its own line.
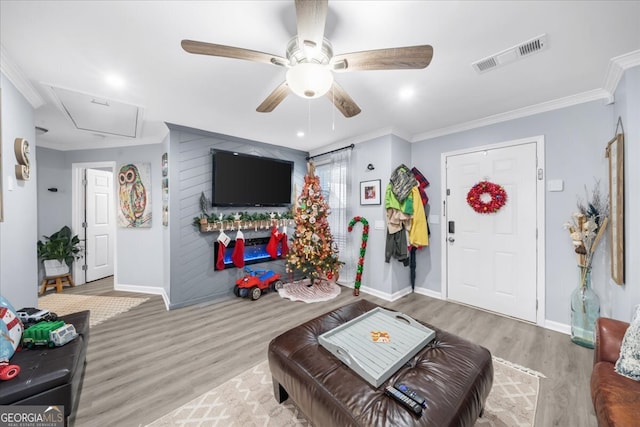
[333, 110]
[309, 117]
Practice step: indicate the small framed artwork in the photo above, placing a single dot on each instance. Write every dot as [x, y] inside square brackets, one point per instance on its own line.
[370, 192]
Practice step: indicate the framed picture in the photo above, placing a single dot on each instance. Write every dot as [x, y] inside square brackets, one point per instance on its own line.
[370, 192]
[134, 195]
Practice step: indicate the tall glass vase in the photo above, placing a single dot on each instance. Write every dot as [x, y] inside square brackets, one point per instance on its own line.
[585, 309]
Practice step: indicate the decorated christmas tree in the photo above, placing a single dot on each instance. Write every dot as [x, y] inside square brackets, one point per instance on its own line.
[312, 251]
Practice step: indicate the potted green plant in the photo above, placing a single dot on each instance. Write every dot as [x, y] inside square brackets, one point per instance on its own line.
[58, 251]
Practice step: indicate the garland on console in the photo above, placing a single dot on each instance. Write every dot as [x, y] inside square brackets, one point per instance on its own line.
[363, 249]
[495, 191]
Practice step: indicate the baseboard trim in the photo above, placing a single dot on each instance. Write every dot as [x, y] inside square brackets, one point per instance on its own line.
[151, 290]
[428, 292]
[558, 327]
[384, 295]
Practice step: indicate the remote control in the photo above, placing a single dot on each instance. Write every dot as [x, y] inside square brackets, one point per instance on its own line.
[404, 400]
[412, 394]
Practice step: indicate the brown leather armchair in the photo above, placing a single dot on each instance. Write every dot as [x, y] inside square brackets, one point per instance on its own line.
[616, 399]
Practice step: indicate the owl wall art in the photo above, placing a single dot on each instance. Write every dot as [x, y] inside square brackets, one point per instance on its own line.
[134, 195]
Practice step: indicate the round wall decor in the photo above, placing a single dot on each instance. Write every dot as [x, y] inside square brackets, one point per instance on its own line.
[494, 197]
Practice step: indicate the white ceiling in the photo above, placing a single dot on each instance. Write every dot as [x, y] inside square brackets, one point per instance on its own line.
[74, 45]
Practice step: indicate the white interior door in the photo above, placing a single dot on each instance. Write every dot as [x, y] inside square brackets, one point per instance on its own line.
[100, 229]
[491, 258]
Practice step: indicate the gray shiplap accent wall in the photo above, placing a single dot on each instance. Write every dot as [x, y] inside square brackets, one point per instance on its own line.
[193, 278]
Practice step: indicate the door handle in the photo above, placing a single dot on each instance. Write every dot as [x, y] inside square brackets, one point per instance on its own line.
[451, 239]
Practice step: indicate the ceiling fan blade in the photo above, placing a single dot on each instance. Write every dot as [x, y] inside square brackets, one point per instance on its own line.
[343, 101]
[274, 99]
[202, 48]
[399, 58]
[311, 16]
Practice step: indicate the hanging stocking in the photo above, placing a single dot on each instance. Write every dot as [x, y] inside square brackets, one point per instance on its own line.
[223, 241]
[238, 250]
[272, 246]
[283, 239]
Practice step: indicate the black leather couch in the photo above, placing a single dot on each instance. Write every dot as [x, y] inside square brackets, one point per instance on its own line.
[50, 376]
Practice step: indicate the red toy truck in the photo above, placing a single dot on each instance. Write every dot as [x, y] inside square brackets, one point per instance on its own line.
[255, 282]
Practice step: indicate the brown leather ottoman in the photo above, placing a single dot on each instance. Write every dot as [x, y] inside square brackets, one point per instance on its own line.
[453, 374]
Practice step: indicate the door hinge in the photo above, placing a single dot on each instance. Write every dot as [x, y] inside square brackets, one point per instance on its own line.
[84, 225]
[540, 174]
[84, 267]
[448, 192]
[84, 182]
[536, 304]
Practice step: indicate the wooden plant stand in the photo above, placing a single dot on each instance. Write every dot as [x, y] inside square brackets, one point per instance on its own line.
[56, 282]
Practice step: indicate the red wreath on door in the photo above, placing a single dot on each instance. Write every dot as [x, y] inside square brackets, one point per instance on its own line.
[498, 197]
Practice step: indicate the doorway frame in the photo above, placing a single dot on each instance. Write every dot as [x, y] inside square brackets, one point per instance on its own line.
[77, 205]
[540, 216]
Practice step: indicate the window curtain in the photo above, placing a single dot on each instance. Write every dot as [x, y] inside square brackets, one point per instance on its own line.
[333, 171]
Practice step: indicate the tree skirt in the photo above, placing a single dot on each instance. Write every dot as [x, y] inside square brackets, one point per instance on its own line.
[322, 290]
[247, 401]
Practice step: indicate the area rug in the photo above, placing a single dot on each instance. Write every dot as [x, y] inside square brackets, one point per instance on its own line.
[102, 308]
[247, 400]
[322, 290]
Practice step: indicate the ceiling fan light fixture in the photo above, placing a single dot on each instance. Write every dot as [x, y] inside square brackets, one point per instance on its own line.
[309, 80]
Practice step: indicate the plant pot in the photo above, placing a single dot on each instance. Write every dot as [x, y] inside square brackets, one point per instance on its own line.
[53, 267]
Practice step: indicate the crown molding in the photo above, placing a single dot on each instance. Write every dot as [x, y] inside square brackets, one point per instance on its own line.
[617, 67]
[543, 107]
[16, 76]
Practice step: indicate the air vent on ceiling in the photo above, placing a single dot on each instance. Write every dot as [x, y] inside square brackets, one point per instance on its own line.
[512, 54]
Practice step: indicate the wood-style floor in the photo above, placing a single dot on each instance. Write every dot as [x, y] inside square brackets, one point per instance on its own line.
[149, 361]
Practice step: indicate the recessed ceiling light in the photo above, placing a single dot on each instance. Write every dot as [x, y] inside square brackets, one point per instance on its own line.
[406, 93]
[115, 80]
[300, 134]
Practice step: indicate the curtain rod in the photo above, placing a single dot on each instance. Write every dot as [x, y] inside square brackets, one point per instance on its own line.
[332, 151]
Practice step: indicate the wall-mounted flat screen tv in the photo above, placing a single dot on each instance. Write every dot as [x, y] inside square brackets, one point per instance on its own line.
[246, 180]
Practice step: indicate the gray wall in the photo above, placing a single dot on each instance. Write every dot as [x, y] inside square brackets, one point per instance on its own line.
[387, 280]
[139, 256]
[627, 106]
[193, 278]
[18, 232]
[54, 208]
[575, 138]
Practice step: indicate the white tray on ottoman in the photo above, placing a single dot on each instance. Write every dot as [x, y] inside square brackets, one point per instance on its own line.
[375, 362]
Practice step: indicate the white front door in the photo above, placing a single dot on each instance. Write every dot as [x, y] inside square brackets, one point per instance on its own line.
[100, 224]
[491, 258]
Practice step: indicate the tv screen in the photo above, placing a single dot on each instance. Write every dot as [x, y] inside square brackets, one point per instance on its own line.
[245, 180]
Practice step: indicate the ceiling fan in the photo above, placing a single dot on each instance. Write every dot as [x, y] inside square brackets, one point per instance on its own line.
[311, 62]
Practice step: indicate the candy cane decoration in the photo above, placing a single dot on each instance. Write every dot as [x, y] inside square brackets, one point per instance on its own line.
[363, 249]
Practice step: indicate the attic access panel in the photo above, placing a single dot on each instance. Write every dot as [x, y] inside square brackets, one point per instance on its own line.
[94, 114]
